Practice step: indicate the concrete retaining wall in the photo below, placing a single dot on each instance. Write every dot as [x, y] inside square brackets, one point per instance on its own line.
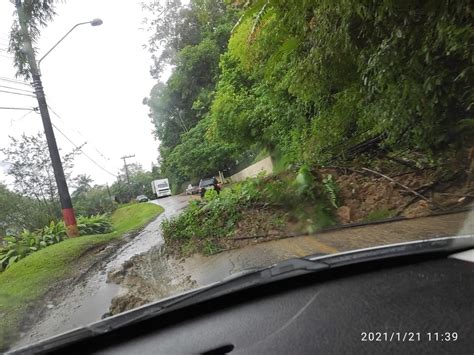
[264, 165]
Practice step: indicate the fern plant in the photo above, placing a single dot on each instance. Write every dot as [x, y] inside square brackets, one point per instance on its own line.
[331, 189]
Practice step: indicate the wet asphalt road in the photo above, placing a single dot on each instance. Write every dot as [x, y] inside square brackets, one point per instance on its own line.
[91, 298]
[205, 270]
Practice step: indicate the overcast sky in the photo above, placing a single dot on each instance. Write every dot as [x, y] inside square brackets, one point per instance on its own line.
[95, 80]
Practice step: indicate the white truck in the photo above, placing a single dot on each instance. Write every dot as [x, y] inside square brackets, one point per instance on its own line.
[161, 187]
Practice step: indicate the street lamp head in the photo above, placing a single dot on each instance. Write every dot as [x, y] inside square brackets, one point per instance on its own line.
[96, 22]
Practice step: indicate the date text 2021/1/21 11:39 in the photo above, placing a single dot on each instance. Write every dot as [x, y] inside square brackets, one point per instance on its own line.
[409, 336]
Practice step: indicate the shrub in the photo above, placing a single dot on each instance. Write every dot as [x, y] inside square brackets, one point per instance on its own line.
[203, 223]
[331, 189]
[15, 248]
[18, 247]
[98, 224]
[93, 202]
[378, 215]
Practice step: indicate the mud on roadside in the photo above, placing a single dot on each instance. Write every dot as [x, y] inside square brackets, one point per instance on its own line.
[90, 261]
[146, 278]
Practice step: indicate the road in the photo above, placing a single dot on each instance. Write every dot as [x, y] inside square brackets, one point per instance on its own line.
[204, 270]
[146, 275]
[87, 300]
[151, 276]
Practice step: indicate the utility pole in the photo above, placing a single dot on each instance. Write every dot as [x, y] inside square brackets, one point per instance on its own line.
[64, 197]
[125, 166]
[108, 191]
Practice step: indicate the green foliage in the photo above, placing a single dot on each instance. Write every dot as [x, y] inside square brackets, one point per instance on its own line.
[304, 182]
[18, 212]
[122, 190]
[331, 189]
[32, 172]
[15, 248]
[98, 224]
[206, 224]
[95, 200]
[378, 215]
[134, 216]
[194, 37]
[27, 281]
[309, 86]
[197, 157]
[35, 14]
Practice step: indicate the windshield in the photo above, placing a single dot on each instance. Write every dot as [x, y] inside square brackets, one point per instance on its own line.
[206, 182]
[329, 127]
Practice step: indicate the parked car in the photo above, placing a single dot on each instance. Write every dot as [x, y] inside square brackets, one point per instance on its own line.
[206, 184]
[142, 198]
[191, 190]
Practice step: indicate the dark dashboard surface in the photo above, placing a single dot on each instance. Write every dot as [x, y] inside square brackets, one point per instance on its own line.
[335, 312]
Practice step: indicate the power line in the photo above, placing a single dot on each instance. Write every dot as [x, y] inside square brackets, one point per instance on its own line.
[18, 119]
[17, 108]
[77, 131]
[16, 93]
[14, 81]
[80, 149]
[13, 88]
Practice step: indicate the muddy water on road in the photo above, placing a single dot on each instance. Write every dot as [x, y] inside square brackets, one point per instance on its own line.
[206, 270]
[90, 299]
[153, 276]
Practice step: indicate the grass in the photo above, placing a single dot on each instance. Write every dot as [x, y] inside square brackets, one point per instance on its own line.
[26, 281]
[377, 215]
[134, 216]
[207, 226]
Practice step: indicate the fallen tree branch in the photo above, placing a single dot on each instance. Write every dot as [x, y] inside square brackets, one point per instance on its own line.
[404, 186]
[404, 162]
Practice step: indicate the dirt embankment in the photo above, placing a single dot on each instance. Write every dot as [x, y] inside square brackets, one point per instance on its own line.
[363, 196]
[366, 195]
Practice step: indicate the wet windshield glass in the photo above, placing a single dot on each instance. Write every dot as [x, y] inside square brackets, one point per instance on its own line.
[206, 182]
[329, 127]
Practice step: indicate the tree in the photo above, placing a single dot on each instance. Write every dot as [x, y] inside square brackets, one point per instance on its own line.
[18, 212]
[140, 183]
[310, 79]
[198, 157]
[194, 37]
[37, 14]
[82, 184]
[175, 26]
[95, 200]
[31, 169]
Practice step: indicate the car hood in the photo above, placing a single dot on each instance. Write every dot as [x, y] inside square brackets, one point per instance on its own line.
[256, 277]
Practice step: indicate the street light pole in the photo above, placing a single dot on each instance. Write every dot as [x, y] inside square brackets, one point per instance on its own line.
[63, 191]
[94, 22]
